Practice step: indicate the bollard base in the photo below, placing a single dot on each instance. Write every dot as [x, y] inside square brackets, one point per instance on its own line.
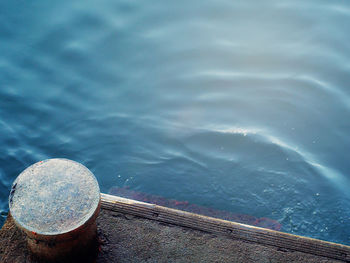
[69, 250]
[14, 247]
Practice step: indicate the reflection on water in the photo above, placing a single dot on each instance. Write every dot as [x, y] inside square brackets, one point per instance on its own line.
[243, 107]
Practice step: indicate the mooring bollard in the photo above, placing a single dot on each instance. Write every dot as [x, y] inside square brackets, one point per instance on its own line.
[55, 203]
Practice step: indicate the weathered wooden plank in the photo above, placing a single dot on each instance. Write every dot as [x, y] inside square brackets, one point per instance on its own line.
[222, 227]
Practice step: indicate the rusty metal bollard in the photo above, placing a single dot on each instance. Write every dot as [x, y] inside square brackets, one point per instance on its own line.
[55, 203]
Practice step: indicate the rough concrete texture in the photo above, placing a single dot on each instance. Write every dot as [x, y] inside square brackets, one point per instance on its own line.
[125, 238]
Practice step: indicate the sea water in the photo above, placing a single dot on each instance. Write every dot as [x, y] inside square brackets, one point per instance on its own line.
[241, 106]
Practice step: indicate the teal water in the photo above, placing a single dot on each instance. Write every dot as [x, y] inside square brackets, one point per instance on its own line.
[237, 106]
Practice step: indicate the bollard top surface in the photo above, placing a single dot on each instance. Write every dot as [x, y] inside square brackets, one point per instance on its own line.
[54, 197]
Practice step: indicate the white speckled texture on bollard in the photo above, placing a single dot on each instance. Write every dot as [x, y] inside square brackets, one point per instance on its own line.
[56, 203]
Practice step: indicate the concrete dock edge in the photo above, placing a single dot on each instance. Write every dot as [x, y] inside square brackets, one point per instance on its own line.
[130, 231]
[231, 229]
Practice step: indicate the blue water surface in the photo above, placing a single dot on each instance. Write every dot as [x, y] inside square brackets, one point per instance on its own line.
[236, 105]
